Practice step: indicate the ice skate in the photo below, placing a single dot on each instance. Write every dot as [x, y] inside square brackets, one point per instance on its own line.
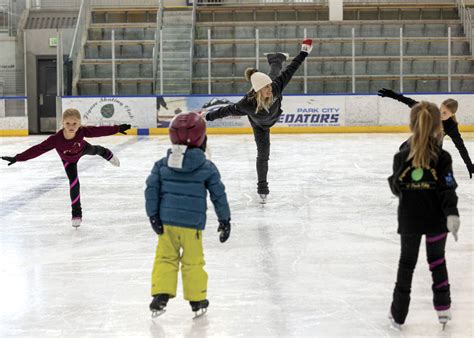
[199, 308]
[444, 316]
[262, 191]
[76, 222]
[393, 324]
[158, 304]
[114, 161]
[277, 57]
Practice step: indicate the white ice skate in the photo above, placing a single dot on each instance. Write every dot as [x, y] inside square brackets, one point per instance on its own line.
[76, 222]
[114, 161]
[393, 324]
[444, 316]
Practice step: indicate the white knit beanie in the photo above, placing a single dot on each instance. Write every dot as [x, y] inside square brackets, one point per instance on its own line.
[259, 80]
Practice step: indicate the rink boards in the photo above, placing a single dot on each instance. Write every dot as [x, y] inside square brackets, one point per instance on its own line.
[151, 115]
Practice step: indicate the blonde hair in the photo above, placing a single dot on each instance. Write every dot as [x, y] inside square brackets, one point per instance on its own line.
[425, 123]
[263, 103]
[452, 106]
[71, 112]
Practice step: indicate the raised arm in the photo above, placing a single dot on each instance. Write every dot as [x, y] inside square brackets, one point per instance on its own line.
[236, 109]
[384, 92]
[451, 129]
[36, 150]
[284, 78]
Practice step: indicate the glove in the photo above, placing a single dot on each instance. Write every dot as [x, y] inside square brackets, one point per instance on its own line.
[453, 225]
[470, 169]
[384, 92]
[11, 160]
[123, 127]
[224, 229]
[156, 225]
[307, 46]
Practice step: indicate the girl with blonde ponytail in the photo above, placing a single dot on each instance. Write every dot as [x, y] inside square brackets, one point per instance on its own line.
[423, 180]
[262, 105]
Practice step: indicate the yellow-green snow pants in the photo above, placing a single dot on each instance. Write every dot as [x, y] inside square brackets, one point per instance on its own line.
[176, 245]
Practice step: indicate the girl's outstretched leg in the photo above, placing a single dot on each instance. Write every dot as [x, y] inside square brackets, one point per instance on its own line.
[275, 60]
[74, 192]
[103, 152]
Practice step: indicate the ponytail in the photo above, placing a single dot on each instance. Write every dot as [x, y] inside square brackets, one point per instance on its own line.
[425, 123]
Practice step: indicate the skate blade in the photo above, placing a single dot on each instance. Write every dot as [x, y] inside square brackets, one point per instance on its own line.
[157, 313]
[394, 325]
[444, 326]
[199, 313]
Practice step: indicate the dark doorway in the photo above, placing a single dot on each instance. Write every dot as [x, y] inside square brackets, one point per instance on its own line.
[47, 85]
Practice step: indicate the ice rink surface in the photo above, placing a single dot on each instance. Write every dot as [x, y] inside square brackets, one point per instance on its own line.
[319, 260]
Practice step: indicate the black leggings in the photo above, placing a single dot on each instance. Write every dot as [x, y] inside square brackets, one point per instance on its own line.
[262, 139]
[71, 172]
[410, 245]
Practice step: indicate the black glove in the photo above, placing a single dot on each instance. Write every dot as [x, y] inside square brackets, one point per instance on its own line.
[224, 229]
[384, 92]
[123, 127]
[11, 160]
[156, 225]
[470, 169]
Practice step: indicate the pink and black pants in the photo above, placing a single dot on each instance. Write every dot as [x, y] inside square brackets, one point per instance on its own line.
[410, 245]
[71, 172]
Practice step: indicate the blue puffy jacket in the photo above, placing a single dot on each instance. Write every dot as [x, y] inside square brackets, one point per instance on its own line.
[177, 196]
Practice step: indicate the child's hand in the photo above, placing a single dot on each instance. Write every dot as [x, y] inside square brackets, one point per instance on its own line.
[224, 229]
[11, 160]
[307, 46]
[123, 127]
[156, 225]
[453, 225]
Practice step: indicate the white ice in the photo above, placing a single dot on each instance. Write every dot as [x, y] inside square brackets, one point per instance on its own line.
[319, 260]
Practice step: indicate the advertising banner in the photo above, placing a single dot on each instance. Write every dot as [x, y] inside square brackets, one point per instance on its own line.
[140, 112]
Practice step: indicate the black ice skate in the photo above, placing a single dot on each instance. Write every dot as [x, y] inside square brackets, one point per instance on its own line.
[444, 317]
[277, 57]
[158, 304]
[199, 308]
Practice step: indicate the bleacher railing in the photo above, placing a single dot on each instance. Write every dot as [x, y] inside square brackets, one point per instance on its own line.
[467, 23]
[259, 2]
[353, 77]
[158, 49]
[74, 4]
[77, 50]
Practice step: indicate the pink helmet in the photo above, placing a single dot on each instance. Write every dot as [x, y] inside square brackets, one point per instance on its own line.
[188, 129]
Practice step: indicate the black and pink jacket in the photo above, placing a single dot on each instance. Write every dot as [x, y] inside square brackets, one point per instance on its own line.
[69, 150]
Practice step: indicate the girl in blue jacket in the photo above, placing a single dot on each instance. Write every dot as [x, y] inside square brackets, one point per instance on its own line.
[175, 194]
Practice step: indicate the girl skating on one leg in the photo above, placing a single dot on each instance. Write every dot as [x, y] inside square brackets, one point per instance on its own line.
[423, 180]
[70, 144]
[262, 105]
[448, 110]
